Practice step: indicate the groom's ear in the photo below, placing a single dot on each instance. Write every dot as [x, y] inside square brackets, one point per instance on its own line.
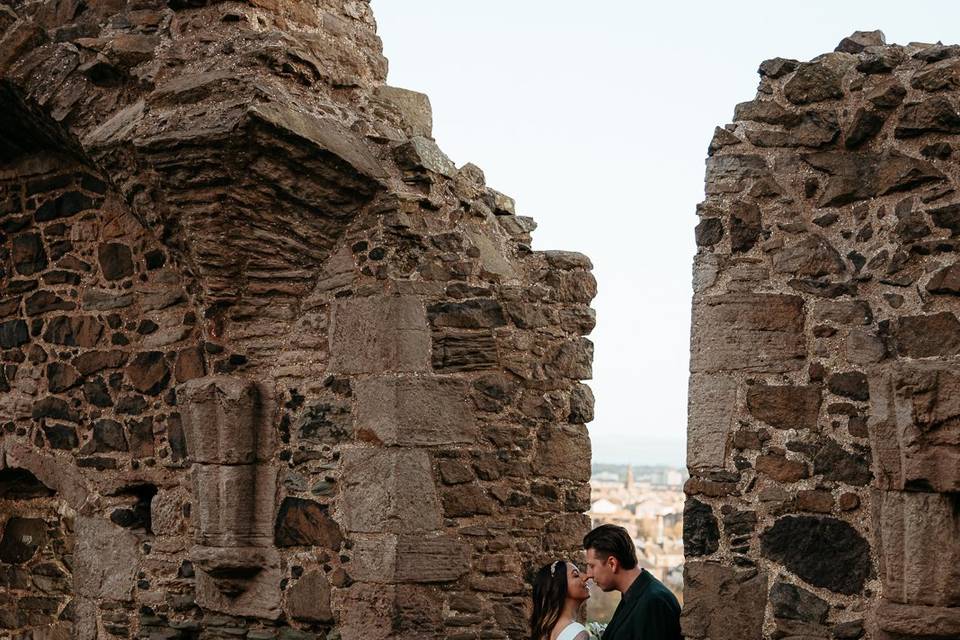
[613, 562]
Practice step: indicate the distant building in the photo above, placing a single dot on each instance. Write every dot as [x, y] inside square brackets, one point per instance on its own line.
[649, 505]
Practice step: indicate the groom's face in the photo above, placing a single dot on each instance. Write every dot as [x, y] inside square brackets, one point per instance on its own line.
[601, 569]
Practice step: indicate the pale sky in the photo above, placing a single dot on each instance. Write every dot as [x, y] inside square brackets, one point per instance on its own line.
[595, 117]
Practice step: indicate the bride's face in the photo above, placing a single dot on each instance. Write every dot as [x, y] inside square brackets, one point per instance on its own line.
[576, 583]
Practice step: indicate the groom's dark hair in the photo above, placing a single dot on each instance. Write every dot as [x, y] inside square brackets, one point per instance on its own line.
[610, 540]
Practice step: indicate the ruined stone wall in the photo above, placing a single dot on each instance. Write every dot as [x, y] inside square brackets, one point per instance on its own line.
[272, 366]
[824, 430]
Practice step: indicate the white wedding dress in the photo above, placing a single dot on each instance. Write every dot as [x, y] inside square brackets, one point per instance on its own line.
[573, 631]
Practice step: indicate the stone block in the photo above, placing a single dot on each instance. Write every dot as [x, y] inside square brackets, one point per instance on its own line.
[810, 257]
[224, 420]
[823, 551]
[379, 335]
[423, 153]
[571, 359]
[455, 351]
[723, 603]
[374, 558]
[365, 611]
[106, 560]
[306, 523]
[701, 532]
[388, 491]
[239, 581]
[918, 547]
[419, 411]
[309, 599]
[785, 406]
[790, 602]
[907, 622]
[854, 176]
[417, 558]
[564, 533]
[22, 537]
[433, 558]
[563, 451]
[852, 312]
[758, 333]
[413, 107]
[148, 372]
[493, 255]
[926, 336]
[914, 426]
[166, 511]
[324, 133]
[733, 173]
[864, 347]
[781, 468]
[77, 331]
[66, 480]
[234, 504]
[711, 408]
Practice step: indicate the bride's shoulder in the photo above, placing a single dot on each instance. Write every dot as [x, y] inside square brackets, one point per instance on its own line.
[573, 631]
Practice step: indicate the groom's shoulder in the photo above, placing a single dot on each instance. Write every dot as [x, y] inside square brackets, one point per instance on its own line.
[657, 592]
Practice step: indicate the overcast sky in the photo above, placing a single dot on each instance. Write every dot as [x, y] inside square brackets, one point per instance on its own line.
[595, 117]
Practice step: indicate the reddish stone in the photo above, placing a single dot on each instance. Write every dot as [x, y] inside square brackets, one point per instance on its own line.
[309, 599]
[781, 468]
[466, 500]
[28, 254]
[947, 280]
[116, 261]
[748, 332]
[850, 384]
[22, 537]
[61, 377]
[925, 336]
[148, 372]
[77, 331]
[190, 365]
[848, 501]
[785, 407]
[722, 602]
[817, 501]
[94, 361]
[306, 523]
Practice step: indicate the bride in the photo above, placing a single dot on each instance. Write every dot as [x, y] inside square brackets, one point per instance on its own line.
[558, 593]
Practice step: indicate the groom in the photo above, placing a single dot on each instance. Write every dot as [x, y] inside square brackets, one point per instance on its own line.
[647, 609]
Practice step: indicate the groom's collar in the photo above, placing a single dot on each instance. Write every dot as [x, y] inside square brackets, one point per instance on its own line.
[638, 586]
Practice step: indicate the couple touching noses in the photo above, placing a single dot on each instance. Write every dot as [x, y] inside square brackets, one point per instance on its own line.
[647, 609]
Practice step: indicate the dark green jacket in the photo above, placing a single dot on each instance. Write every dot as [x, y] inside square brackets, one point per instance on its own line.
[647, 611]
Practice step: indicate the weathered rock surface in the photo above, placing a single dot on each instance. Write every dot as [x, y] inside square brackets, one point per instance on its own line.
[824, 552]
[260, 333]
[824, 344]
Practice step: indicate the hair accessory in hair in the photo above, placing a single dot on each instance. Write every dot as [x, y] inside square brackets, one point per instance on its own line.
[553, 567]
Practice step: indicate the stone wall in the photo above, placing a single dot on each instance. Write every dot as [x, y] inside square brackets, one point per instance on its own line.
[272, 366]
[824, 430]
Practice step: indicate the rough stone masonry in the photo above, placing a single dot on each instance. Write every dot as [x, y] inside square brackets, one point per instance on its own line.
[824, 418]
[272, 366]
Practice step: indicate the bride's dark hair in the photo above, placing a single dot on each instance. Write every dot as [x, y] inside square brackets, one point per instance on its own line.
[549, 595]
